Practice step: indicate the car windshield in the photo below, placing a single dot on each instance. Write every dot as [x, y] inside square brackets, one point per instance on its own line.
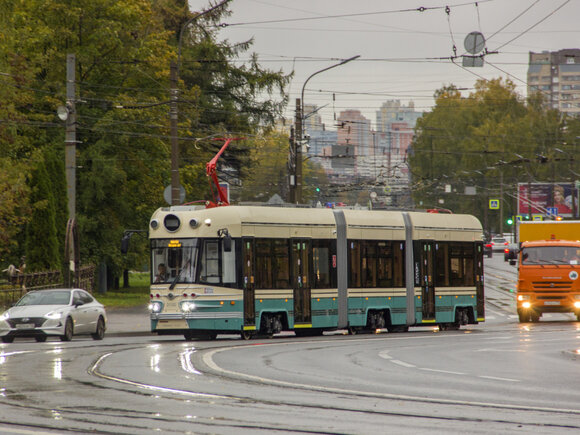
[551, 255]
[500, 240]
[45, 298]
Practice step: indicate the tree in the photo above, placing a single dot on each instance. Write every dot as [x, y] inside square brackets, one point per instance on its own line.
[123, 52]
[489, 140]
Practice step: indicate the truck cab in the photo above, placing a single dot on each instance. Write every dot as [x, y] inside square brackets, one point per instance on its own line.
[548, 278]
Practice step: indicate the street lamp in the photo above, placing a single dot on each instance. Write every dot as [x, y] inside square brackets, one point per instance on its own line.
[299, 132]
[173, 110]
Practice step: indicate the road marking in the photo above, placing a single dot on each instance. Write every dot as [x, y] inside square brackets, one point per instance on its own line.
[402, 363]
[207, 358]
[441, 371]
[498, 379]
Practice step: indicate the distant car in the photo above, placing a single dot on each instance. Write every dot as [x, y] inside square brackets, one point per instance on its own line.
[56, 312]
[487, 249]
[513, 248]
[498, 244]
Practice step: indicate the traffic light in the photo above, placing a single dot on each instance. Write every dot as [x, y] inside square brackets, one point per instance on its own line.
[318, 190]
[510, 221]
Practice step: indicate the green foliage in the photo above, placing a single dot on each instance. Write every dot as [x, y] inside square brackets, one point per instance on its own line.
[123, 53]
[490, 140]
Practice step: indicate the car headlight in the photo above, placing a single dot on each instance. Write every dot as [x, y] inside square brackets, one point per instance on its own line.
[187, 306]
[53, 315]
[523, 297]
[4, 316]
[155, 307]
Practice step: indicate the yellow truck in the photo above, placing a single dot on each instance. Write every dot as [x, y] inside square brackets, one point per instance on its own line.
[548, 269]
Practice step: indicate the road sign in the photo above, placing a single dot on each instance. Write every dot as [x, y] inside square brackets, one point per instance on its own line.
[494, 204]
[552, 211]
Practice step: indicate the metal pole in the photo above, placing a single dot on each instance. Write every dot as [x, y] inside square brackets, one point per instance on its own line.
[71, 136]
[175, 186]
[299, 121]
[298, 152]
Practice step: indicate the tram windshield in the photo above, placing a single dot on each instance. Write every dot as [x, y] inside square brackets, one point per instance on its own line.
[551, 255]
[199, 261]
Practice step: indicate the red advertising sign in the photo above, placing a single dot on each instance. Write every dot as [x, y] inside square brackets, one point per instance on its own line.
[538, 198]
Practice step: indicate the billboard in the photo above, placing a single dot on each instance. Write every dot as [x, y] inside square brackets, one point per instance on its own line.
[544, 198]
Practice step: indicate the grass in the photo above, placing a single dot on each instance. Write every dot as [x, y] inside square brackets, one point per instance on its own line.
[136, 295]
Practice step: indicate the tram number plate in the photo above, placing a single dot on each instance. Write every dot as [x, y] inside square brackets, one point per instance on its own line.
[551, 302]
[25, 326]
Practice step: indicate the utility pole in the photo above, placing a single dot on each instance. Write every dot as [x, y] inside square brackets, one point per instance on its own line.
[298, 152]
[175, 186]
[70, 140]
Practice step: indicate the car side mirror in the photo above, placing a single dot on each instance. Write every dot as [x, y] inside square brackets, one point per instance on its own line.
[79, 303]
[513, 254]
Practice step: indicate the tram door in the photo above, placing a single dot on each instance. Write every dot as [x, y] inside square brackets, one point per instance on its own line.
[427, 257]
[249, 302]
[479, 282]
[301, 281]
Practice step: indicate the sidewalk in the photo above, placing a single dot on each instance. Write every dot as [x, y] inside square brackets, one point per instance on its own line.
[128, 322]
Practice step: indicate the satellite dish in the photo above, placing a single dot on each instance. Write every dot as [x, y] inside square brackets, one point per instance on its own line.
[474, 42]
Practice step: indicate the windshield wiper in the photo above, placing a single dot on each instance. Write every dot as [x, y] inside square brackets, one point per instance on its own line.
[176, 279]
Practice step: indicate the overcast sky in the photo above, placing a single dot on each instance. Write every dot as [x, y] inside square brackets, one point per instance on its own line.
[400, 47]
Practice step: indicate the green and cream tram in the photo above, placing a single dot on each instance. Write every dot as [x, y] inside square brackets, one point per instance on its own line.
[261, 270]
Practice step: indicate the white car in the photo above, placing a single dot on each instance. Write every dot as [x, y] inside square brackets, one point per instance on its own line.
[54, 312]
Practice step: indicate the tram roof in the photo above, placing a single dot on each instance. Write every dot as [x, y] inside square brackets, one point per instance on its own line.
[262, 221]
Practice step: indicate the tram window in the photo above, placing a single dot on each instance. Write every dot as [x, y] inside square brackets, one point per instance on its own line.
[210, 262]
[399, 264]
[455, 264]
[385, 264]
[369, 264]
[264, 263]
[354, 278]
[229, 264]
[281, 265]
[321, 264]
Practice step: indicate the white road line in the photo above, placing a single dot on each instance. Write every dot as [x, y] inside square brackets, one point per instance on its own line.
[441, 371]
[498, 379]
[402, 363]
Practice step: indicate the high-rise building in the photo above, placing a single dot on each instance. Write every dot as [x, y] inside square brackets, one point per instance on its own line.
[556, 74]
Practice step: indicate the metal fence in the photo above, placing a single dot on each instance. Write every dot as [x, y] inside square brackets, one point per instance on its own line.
[16, 286]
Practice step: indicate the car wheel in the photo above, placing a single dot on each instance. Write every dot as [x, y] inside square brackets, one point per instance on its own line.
[68, 331]
[7, 339]
[100, 332]
[40, 338]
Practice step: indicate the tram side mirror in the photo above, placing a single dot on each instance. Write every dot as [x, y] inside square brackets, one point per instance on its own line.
[226, 239]
[227, 243]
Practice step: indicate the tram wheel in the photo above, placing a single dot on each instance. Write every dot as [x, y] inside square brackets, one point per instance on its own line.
[352, 330]
[247, 335]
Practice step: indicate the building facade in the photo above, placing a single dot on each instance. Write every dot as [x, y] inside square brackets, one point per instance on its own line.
[556, 74]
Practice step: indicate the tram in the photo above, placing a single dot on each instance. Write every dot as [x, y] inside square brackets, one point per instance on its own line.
[257, 270]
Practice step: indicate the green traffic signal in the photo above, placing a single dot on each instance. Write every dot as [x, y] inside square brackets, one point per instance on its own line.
[510, 221]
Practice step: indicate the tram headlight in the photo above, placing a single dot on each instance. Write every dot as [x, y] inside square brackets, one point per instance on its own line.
[577, 304]
[155, 307]
[523, 297]
[187, 306]
[526, 305]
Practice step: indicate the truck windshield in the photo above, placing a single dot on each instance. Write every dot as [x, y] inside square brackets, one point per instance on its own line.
[551, 255]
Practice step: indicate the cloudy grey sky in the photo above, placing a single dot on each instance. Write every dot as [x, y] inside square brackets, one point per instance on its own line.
[404, 51]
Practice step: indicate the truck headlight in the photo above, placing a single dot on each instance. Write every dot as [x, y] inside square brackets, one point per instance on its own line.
[523, 297]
